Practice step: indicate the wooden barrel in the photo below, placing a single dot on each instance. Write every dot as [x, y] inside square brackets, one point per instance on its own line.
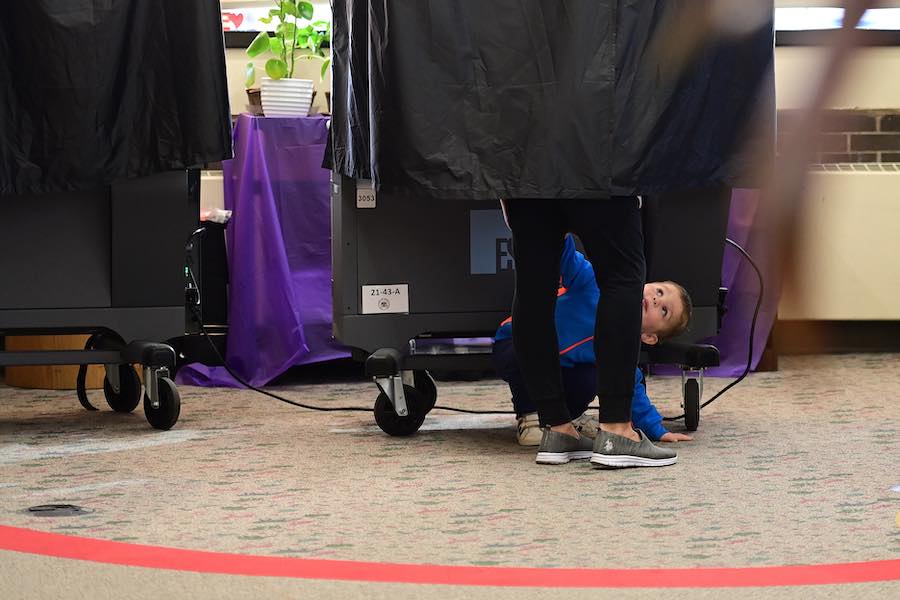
[50, 377]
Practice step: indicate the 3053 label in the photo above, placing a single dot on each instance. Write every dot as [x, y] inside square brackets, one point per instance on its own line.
[365, 194]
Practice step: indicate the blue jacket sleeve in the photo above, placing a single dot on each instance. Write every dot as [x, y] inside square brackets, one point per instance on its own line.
[574, 269]
[643, 414]
[568, 266]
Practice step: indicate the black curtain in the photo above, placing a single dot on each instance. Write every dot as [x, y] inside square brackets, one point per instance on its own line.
[544, 98]
[92, 91]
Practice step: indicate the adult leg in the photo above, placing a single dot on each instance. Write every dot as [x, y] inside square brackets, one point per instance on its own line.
[610, 230]
[537, 247]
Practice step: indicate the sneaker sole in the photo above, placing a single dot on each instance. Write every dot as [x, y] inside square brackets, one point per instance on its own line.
[618, 461]
[561, 458]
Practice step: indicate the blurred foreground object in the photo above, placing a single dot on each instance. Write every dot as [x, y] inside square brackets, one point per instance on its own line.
[784, 186]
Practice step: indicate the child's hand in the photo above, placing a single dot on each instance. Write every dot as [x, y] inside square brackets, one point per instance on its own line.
[675, 437]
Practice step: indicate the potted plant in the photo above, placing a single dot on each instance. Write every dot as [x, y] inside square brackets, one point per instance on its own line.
[295, 38]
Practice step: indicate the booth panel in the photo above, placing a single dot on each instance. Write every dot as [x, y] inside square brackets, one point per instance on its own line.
[152, 218]
[55, 250]
[455, 256]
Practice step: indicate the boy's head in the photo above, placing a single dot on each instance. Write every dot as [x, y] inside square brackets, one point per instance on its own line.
[665, 311]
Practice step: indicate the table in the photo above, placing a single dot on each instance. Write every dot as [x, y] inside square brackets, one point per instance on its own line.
[279, 252]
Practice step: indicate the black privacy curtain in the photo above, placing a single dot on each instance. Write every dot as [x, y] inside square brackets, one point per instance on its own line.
[92, 91]
[545, 98]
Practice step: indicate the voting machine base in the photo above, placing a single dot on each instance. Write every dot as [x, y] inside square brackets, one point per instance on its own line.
[423, 284]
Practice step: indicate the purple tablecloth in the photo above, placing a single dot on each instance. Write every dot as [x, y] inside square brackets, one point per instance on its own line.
[743, 290]
[743, 285]
[279, 252]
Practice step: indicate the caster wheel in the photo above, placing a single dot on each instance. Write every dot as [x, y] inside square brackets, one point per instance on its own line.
[691, 404]
[129, 395]
[166, 415]
[393, 424]
[424, 383]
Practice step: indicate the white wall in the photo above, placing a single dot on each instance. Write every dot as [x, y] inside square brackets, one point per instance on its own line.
[872, 78]
[846, 267]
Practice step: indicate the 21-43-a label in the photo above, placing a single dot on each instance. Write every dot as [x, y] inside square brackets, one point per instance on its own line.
[390, 298]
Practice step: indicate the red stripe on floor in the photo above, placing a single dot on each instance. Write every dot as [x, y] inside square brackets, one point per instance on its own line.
[156, 557]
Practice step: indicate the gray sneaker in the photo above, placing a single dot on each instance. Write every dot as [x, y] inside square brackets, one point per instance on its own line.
[613, 451]
[559, 448]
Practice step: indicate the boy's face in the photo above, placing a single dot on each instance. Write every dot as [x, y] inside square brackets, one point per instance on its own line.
[661, 309]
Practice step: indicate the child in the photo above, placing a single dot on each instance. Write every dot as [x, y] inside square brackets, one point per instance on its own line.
[666, 312]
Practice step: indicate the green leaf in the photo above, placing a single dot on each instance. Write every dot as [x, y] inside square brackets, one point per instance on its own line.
[250, 76]
[265, 20]
[259, 45]
[306, 9]
[276, 45]
[286, 30]
[289, 8]
[276, 68]
[320, 39]
[325, 65]
[302, 41]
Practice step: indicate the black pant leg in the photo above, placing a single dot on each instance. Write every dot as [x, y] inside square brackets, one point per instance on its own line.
[579, 381]
[538, 231]
[610, 230]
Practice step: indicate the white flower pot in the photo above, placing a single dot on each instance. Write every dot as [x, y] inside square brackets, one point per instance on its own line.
[286, 97]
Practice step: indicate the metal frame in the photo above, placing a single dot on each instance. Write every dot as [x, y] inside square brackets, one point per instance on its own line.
[128, 241]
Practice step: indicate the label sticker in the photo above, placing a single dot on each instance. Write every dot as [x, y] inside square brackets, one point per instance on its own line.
[365, 193]
[393, 298]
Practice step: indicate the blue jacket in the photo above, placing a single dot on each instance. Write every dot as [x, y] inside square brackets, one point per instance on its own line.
[576, 311]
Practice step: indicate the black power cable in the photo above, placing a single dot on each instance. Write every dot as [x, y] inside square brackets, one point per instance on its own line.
[194, 306]
[477, 412]
[752, 331]
[240, 380]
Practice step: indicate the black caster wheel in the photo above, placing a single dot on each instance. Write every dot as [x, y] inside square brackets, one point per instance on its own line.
[129, 395]
[691, 404]
[393, 424]
[166, 415]
[424, 382]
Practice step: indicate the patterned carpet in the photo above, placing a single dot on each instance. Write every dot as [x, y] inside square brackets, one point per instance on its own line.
[801, 466]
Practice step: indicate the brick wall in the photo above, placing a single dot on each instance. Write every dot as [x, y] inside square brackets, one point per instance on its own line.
[851, 136]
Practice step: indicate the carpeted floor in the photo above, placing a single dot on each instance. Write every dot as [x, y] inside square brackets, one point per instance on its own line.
[796, 467]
